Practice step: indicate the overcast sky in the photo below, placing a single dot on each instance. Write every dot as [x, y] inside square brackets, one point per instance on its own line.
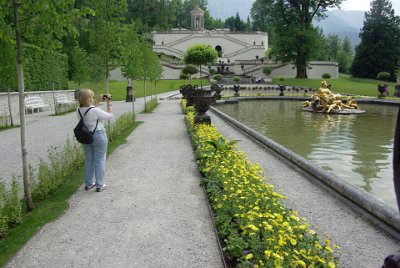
[365, 5]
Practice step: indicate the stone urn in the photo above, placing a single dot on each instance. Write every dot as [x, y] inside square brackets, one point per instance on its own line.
[202, 100]
[187, 93]
[381, 90]
[236, 88]
[182, 91]
[281, 89]
[217, 89]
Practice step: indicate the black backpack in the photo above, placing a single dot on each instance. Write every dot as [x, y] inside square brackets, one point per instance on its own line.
[82, 133]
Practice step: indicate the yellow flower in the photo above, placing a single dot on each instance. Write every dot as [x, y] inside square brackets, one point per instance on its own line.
[252, 227]
[331, 265]
[299, 263]
[249, 256]
[219, 206]
[267, 253]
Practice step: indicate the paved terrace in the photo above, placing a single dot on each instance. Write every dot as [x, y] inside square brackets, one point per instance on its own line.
[154, 214]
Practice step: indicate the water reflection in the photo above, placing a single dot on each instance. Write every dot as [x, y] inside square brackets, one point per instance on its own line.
[357, 148]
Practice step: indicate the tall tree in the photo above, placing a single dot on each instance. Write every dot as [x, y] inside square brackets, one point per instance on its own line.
[345, 56]
[53, 71]
[8, 74]
[189, 70]
[235, 23]
[106, 32]
[200, 54]
[333, 46]
[149, 61]
[132, 60]
[295, 36]
[40, 22]
[80, 66]
[379, 49]
[96, 69]
[156, 72]
[261, 12]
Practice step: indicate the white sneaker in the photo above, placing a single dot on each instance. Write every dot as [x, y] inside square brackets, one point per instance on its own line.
[102, 188]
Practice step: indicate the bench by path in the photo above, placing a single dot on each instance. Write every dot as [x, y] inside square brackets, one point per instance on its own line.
[33, 103]
[153, 214]
[62, 100]
[362, 245]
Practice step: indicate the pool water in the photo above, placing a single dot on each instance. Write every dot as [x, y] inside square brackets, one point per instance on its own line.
[356, 148]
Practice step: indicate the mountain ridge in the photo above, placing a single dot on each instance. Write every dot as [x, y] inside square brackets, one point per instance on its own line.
[339, 22]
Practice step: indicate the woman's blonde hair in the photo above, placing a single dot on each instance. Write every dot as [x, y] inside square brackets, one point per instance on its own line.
[85, 97]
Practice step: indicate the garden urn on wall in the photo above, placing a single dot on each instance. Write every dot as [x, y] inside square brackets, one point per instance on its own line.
[282, 88]
[217, 89]
[202, 100]
[187, 93]
[236, 89]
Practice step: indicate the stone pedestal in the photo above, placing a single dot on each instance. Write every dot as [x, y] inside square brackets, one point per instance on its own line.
[129, 94]
[202, 119]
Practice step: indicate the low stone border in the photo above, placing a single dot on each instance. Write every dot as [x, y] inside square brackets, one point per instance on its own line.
[364, 204]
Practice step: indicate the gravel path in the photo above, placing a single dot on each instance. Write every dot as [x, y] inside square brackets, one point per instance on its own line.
[154, 213]
[362, 245]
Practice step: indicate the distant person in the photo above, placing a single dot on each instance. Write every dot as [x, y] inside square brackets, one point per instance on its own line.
[397, 91]
[386, 92]
[95, 152]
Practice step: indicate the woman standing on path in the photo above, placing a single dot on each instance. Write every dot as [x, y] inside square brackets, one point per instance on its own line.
[95, 152]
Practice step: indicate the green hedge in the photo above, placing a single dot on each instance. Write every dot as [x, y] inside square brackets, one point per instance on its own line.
[41, 68]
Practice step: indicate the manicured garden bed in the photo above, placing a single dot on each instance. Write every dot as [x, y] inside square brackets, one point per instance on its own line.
[257, 230]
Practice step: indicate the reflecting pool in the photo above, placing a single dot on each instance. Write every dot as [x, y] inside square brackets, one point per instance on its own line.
[356, 148]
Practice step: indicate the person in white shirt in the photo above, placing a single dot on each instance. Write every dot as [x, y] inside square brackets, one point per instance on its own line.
[95, 152]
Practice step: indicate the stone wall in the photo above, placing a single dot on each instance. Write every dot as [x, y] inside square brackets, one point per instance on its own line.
[47, 97]
[315, 71]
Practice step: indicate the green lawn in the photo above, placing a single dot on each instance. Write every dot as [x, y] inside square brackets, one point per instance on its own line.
[344, 85]
[118, 88]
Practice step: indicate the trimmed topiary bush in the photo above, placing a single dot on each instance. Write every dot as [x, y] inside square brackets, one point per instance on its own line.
[218, 77]
[384, 76]
[267, 71]
[326, 76]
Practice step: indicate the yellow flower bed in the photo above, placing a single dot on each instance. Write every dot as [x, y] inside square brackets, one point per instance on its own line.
[257, 229]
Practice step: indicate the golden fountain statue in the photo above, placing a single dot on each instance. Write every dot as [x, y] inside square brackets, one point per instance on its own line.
[327, 102]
